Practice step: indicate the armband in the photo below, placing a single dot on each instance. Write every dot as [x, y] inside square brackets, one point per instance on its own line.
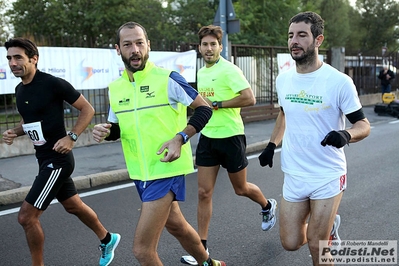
[356, 116]
[115, 132]
[200, 118]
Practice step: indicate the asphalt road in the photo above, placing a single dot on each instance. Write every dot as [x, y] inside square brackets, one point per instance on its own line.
[20, 171]
[369, 211]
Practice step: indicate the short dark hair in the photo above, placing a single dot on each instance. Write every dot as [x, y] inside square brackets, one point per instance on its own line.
[29, 47]
[317, 23]
[129, 25]
[215, 31]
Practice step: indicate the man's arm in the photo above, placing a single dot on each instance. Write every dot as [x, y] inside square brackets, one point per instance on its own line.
[359, 130]
[279, 128]
[201, 116]
[381, 75]
[392, 75]
[246, 98]
[266, 157]
[10, 134]
[85, 115]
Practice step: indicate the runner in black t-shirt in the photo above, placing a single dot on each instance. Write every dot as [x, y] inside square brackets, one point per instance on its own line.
[40, 100]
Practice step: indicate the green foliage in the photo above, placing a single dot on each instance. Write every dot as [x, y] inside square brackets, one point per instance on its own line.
[336, 34]
[264, 22]
[4, 34]
[90, 23]
[188, 16]
[86, 23]
[379, 19]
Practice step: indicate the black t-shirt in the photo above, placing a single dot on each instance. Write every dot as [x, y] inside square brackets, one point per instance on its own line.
[42, 101]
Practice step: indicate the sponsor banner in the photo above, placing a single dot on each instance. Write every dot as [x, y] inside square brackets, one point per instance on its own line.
[360, 252]
[93, 68]
[285, 62]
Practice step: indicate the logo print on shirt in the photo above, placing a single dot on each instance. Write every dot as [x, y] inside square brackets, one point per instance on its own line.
[304, 98]
[144, 88]
[206, 92]
[150, 94]
[124, 101]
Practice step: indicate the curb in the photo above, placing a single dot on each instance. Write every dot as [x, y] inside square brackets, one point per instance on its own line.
[18, 195]
[81, 182]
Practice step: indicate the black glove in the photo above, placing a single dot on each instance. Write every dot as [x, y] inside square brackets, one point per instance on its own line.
[337, 139]
[266, 157]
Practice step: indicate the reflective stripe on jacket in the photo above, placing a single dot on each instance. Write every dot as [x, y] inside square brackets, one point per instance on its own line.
[147, 120]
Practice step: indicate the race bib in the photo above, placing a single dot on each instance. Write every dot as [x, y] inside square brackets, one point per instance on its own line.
[35, 133]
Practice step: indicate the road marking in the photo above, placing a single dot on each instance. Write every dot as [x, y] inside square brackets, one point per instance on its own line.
[108, 189]
[82, 195]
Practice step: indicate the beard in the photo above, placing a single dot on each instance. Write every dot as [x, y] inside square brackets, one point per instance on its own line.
[307, 56]
[131, 68]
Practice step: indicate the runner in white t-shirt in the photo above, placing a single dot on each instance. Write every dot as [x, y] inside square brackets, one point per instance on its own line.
[314, 99]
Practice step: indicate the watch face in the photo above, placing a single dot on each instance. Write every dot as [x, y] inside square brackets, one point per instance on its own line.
[73, 136]
[215, 105]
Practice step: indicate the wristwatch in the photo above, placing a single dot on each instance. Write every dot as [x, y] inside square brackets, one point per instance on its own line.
[184, 135]
[73, 136]
[215, 105]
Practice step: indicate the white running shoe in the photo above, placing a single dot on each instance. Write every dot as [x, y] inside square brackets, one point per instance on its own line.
[335, 241]
[188, 259]
[269, 216]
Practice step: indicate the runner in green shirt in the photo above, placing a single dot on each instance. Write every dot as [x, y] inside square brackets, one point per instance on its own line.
[222, 141]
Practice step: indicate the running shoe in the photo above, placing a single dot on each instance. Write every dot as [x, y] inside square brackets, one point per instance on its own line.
[335, 241]
[269, 216]
[188, 259]
[107, 251]
[215, 263]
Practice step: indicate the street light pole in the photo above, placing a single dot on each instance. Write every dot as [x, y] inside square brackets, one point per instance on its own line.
[223, 25]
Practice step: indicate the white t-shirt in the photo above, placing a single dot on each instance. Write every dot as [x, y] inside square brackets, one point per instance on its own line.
[314, 104]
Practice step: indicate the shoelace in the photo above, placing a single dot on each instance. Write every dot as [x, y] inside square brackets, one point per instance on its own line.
[103, 249]
[266, 215]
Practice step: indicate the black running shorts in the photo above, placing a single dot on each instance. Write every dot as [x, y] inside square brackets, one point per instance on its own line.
[227, 152]
[53, 181]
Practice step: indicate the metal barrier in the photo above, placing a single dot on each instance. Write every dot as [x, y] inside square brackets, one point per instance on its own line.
[258, 63]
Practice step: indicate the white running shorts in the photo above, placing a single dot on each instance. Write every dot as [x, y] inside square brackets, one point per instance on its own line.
[297, 190]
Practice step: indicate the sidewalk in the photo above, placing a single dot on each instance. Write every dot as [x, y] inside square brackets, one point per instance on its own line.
[103, 164]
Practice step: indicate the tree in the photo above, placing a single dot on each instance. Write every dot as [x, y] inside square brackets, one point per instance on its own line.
[188, 16]
[264, 22]
[89, 23]
[379, 19]
[354, 39]
[4, 31]
[336, 34]
[82, 23]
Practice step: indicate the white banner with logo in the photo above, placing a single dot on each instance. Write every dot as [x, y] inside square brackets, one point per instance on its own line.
[93, 68]
[285, 62]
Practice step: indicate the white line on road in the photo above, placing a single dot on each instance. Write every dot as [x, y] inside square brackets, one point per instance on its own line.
[103, 190]
[82, 195]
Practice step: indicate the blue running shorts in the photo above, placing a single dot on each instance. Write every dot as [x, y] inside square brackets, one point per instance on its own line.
[157, 189]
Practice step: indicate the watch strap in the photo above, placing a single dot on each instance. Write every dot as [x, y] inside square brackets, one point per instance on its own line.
[185, 137]
[73, 136]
